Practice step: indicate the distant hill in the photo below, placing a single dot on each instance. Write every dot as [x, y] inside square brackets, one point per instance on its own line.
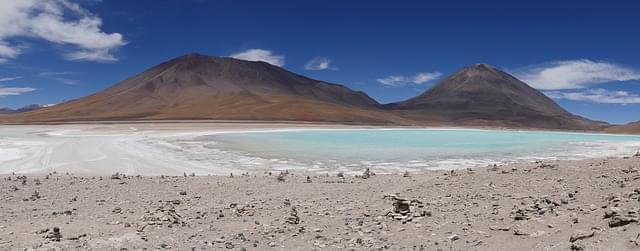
[196, 86]
[484, 95]
[20, 110]
[632, 128]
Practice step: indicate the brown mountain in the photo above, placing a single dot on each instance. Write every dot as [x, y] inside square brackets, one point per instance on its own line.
[204, 87]
[484, 95]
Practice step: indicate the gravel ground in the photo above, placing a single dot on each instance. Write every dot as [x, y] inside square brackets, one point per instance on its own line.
[556, 205]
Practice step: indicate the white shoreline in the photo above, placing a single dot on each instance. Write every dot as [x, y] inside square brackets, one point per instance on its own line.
[105, 149]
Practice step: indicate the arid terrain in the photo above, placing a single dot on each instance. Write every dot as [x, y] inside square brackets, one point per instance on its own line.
[557, 205]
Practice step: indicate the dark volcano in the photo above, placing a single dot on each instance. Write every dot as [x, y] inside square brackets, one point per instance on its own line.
[484, 95]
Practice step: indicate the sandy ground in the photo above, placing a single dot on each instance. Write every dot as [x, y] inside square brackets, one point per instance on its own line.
[560, 205]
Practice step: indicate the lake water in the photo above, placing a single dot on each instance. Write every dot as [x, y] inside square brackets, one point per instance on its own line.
[151, 151]
[419, 149]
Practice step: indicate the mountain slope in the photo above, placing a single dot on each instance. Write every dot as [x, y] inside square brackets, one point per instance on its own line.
[204, 87]
[483, 95]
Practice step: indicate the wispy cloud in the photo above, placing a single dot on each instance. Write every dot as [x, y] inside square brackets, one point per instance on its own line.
[319, 64]
[260, 55]
[9, 79]
[418, 78]
[574, 74]
[61, 22]
[61, 77]
[14, 91]
[597, 96]
[57, 73]
[101, 56]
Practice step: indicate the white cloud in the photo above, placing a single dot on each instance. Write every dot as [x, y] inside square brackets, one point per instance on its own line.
[424, 77]
[14, 91]
[7, 52]
[419, 78]
[597, 96]
[9, 79]
[575, 74]
[260, 55]
[319, 64]
[57, 21]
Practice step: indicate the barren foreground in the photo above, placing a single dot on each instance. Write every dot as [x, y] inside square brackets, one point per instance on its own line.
[591, 205]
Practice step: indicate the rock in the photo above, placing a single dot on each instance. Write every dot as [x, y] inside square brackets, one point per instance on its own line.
[281, 177]
[293, 217]
[454, 237]
[76, 237]
[520, 232]
[164, 215]
[42, 231]
[521, 214]
[611, 212]
[54, 235]
[34, 196]
[576, 247]
[367, 174]
[401, 206]
[500, 228]
[183, 193]
[580, 235]
[619, 220]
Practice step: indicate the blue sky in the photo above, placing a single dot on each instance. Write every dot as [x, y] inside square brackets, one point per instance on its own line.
[584, 54]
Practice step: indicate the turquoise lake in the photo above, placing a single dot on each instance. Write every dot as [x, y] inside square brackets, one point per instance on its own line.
[418, 149]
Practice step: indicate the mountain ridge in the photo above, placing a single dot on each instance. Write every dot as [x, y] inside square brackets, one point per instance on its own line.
[196, 86]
